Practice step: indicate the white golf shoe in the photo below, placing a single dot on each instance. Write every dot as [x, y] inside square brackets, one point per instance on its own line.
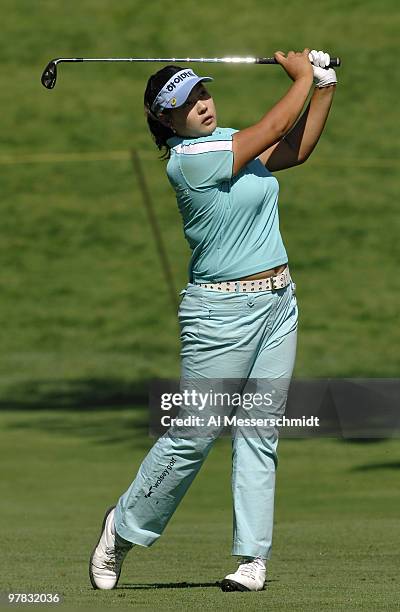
[108, 555]
[250, 576]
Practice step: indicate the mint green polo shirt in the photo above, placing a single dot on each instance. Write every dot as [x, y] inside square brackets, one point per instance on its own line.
[230, 222]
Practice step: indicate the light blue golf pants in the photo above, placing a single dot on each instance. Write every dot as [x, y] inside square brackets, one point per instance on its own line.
[246, 336]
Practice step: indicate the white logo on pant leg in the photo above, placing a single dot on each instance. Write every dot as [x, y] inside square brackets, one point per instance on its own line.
[161, 477]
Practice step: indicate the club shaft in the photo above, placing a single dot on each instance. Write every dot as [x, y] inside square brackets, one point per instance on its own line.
[335, 61]
[244, 60]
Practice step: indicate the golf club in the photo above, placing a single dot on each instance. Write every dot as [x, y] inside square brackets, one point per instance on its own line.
[49, 76]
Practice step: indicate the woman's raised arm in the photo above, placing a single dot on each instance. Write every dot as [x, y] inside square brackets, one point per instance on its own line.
[254, 140]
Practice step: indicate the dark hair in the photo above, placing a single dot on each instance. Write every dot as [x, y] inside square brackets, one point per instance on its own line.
[160, 132]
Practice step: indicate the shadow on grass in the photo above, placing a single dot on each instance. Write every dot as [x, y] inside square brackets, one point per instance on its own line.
[102, 411]
[370, 467]
[173, 585]
[85, 394]
[365, 440]
[169, 585]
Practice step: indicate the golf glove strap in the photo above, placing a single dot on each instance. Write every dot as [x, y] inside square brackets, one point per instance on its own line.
[323, 77]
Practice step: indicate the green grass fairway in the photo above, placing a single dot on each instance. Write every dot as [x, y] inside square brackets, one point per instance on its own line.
[336, 537]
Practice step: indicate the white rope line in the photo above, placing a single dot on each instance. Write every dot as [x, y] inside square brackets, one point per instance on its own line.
[97, 156]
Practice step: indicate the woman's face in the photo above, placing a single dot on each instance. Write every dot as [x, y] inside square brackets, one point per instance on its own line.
[197, 116]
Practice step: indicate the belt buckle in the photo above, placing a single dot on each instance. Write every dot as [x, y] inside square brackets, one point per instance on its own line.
[273, 280]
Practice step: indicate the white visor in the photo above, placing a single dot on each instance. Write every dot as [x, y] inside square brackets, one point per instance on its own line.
[176, 91]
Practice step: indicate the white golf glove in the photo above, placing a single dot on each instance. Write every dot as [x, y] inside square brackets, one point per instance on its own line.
[323, 77]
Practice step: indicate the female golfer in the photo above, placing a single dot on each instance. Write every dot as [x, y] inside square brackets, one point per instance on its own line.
[238, 314]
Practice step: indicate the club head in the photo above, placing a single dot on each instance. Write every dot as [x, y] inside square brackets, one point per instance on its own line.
[49, 76]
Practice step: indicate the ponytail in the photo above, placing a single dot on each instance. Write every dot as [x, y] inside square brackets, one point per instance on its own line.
[160, 132]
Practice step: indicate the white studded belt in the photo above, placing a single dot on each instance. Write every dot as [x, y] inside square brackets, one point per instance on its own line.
[271, 283]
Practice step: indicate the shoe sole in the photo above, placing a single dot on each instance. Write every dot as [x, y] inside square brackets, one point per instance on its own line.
[228, 585]
[94, 585]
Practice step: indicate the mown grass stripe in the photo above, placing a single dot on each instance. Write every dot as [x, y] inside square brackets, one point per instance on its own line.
[96, 156]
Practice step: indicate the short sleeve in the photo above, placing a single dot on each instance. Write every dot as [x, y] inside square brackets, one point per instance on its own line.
[206, 163]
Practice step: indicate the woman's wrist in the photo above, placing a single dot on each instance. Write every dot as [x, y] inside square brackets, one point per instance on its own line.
[326, 91]
[305, 81]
